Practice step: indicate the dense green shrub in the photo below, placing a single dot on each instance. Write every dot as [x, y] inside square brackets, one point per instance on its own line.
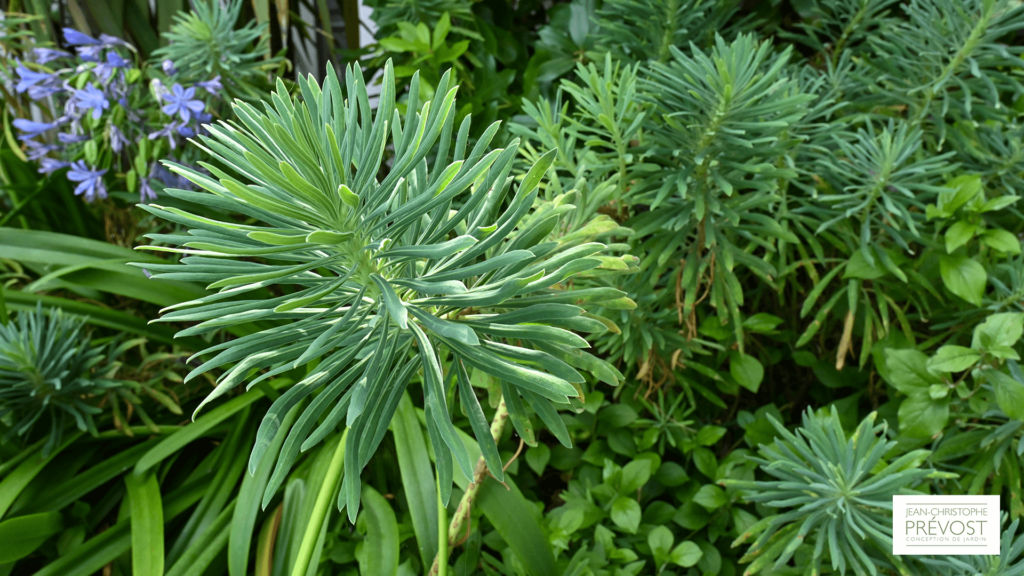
[700, 284]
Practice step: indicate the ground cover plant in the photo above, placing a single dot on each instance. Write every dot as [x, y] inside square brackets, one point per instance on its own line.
[612, 287]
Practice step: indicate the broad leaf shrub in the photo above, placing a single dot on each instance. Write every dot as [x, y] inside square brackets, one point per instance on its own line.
[864, 220]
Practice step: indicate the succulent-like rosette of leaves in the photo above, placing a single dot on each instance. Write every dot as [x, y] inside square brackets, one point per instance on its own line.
[49, 371]
[209, 41]
[1009, 562]
[833, 494]
[381, 269]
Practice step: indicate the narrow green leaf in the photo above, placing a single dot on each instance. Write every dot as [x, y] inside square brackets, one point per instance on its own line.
[455, 330]
[394, 304]
[381, 544]
[175, 442]
[147, 521]
[417, 478]
[250, 495]
[21, 536]
[322, 508]
[20, 477]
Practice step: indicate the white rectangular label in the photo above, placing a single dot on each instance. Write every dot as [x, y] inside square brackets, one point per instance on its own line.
[945, 525]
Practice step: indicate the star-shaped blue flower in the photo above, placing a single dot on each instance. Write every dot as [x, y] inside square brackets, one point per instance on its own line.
[146, 192]
[90, 182]
[213, 85]
[94, 98]
[182, 101]
[37, 150]
[168, 132]
[30, 78]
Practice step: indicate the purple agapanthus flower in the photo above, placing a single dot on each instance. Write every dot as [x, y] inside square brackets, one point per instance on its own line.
[44, 55]
[32, 128]
[49, 165]
[169, 68]
[182, 101]
[109, 40]
[168, 131]
[72, 138]
[170, 179]
[114, 61]
[146, 192]
[91, 53]
[94, 98]
[117, 139]
[186, 131]
[213, 85]
[37, 150]
[75, 38]
[37, 84]
[89, 48]
[29, 78]
[90, 182]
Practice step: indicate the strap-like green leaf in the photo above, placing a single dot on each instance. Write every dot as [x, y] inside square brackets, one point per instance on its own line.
[394, 304]
[147, 515]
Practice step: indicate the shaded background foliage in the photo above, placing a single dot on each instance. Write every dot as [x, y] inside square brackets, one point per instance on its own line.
[810, 255]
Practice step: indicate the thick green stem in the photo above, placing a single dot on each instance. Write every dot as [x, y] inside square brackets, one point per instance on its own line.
[448, 534]
[441, 561]
[320, 509]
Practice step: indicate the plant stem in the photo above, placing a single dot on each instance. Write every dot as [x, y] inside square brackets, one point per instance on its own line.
[441, 561]
[445, 542]
[320, 509]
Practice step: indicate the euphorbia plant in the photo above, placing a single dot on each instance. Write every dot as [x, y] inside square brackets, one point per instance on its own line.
[387, 250]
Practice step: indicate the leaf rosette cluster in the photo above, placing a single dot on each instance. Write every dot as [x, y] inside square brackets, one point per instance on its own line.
[837, 489]
[379, 247]
[49, 371]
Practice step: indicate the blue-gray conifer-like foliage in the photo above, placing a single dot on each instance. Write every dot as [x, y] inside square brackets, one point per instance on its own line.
[382, 247]
[1007, 563]
[48, 373]
[205, 42]
[833, 495]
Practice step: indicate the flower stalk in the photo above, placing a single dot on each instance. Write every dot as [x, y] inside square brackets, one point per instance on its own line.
[449, 534]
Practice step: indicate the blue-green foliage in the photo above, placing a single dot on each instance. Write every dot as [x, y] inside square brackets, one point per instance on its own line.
[51, 376]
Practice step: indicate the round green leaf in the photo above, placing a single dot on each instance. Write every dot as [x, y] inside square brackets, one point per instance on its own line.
[686, 554]
[964, 277]
[746, 370]
[626, 514]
